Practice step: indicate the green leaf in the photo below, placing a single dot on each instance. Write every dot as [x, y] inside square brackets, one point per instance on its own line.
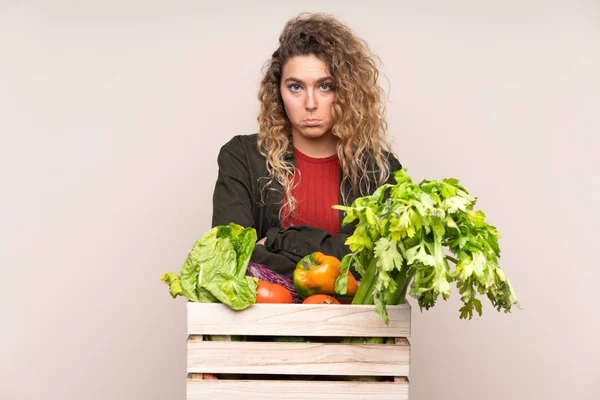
[426, 201]
[424, 258]
[237, 293]
[387, 254]
[370, 216]
[174, 282]
[450, 223]
[191, 266]
[189, 279]
[243, 241]
[455, 204]
[477, 305]
[341, 283]
[360, 239]
[438, 226]
[404, 220]
[466, 311]
[205, 296]
[441, 285]
[380, 308]
[478, 217]
[448, 188]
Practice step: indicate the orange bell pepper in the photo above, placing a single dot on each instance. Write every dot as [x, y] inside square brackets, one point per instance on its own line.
[316, 274]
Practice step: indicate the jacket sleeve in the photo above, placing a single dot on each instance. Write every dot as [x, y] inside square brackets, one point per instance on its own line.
[277, 262]
[232, 201]
[298, 241]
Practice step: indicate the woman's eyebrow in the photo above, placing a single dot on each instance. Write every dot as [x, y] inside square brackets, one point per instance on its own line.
[293, 79]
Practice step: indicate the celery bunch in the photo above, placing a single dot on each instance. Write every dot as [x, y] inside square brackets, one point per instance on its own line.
[405, 232]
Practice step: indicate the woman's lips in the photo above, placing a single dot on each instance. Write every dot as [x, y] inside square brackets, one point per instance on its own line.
[312, 122]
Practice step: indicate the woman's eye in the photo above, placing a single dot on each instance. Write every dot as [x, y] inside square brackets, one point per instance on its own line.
[325, 86]
[295, 88]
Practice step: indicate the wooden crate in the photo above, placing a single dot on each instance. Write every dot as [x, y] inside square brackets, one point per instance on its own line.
[320, 369]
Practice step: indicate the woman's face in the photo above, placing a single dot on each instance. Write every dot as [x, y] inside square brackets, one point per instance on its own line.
[307, 93]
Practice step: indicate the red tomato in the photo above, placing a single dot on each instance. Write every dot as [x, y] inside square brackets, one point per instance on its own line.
[320, 299]
[272, 293]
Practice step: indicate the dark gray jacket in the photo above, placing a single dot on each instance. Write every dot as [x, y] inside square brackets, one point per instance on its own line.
[239, 198]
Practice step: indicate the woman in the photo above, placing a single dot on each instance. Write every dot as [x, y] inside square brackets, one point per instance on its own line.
[321, 143]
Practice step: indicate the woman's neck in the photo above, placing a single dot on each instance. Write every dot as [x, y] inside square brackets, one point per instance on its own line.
[317, 147]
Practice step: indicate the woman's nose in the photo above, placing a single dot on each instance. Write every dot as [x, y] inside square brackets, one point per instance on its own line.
[310, 102]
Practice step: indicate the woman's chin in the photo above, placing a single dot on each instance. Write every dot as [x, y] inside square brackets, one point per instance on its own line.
[314, 133]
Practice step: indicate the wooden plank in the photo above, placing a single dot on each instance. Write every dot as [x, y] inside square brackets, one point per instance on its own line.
[403, 342]
[195, 339]
[297, 320]
[298, 358]
[296, 390]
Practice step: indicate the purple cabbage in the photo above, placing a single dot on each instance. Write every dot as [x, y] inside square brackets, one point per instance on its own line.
[265, 273]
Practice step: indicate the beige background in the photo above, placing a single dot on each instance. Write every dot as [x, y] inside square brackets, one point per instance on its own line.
[111, 117]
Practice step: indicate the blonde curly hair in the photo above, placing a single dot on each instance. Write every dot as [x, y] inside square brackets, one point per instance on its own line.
[358, 109]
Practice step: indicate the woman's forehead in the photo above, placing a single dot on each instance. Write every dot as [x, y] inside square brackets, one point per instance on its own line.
[305, 68]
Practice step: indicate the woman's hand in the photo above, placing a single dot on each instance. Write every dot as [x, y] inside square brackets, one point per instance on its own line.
[262, 241]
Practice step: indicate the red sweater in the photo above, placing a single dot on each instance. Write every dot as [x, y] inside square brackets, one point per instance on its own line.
[318, 189]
